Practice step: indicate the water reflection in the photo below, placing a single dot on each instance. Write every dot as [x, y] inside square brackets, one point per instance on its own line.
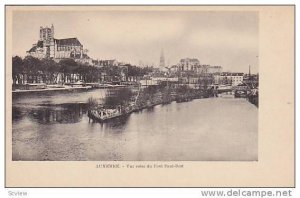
[56, 98]
[63, 113]
[66, 113]
[17, 114]
[206, 129]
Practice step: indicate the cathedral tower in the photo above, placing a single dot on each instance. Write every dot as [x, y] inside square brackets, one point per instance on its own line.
[162, 60]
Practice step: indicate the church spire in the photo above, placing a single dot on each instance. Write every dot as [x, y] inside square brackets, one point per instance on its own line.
[249, 70]
[162, 59]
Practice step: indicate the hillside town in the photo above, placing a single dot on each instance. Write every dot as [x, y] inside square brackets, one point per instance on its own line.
[60, 63]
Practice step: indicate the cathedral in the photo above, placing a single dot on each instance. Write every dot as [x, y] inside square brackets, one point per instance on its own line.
[57, 49]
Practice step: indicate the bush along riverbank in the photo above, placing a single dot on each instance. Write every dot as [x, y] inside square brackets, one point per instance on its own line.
[253, 97]
[123, 101]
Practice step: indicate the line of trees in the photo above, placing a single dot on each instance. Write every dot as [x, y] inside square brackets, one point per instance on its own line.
[34, 70]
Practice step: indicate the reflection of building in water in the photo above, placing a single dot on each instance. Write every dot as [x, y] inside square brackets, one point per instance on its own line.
[68, 114]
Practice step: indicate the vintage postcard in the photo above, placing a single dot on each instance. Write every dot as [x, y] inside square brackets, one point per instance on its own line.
[149, 96]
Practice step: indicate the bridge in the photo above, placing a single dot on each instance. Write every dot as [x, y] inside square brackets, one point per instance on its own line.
[230, 90]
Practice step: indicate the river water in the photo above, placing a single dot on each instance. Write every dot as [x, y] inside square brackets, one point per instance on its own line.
[56, 127]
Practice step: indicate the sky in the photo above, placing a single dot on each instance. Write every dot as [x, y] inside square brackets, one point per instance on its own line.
[226, 38]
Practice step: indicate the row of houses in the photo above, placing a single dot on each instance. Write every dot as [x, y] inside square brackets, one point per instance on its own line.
[188, 70]
[223, 78]
[191, 71]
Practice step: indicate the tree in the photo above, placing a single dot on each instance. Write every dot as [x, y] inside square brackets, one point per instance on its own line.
[50, 70]
[117, 97]
[32, 68]
[68, 67]
[17, 69]
[113, 71]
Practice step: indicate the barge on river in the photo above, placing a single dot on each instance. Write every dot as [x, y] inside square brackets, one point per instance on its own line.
[103, 115]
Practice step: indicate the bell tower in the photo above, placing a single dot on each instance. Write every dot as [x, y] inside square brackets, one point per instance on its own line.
[47, 36]
[52, 44]
[162, 60]
[52, 31]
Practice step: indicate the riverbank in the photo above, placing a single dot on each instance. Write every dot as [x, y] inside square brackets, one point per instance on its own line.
[253, 100]
[66, 88]
[52, 89]
[145, 99]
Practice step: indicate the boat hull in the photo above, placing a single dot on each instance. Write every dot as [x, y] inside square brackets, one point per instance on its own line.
[94, 117]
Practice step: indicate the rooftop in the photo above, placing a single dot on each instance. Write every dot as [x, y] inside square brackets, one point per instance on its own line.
[68, 41]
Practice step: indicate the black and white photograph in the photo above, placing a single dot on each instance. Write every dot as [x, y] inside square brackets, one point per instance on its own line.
[140, 85]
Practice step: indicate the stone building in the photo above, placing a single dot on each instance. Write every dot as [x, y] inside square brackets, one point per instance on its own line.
[188, 64]
[232, 78]
[193, 65]
[105, 63]
[214, 69]
[49, 47]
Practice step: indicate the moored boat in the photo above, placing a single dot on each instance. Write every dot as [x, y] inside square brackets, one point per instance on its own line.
[240, 94]
[102, 114]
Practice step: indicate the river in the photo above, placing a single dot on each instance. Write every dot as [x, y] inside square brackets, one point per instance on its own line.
[56, 127]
